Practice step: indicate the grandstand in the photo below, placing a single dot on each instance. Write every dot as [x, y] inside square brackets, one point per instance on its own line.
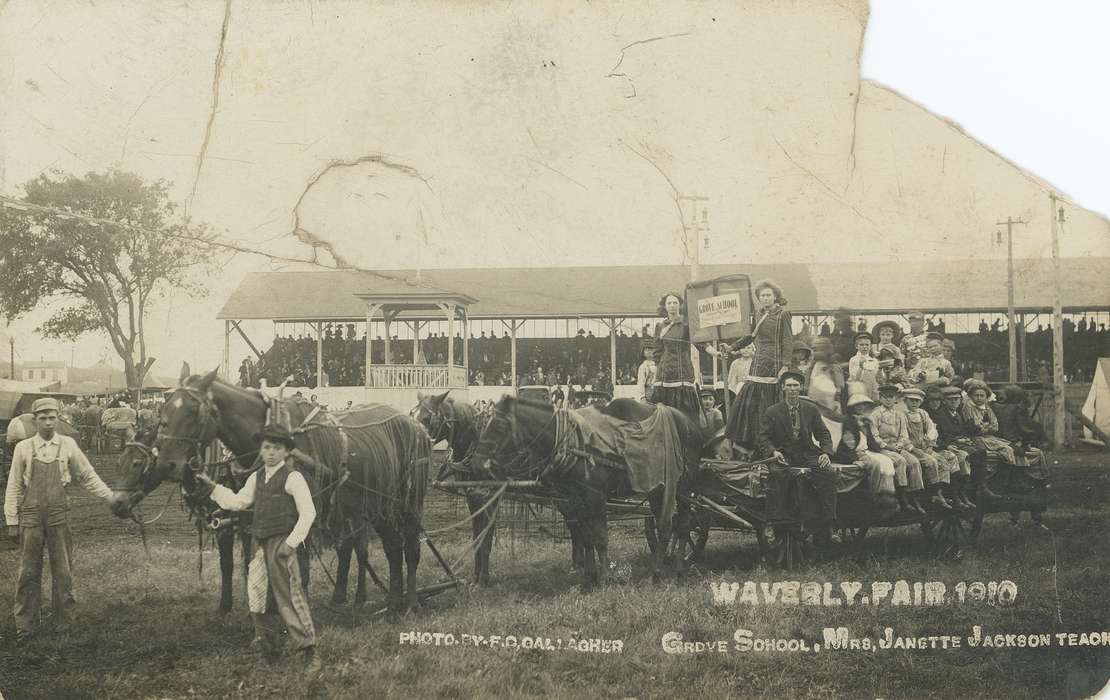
[585, 325]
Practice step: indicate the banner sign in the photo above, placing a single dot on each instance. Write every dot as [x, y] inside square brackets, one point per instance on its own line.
[720, 310]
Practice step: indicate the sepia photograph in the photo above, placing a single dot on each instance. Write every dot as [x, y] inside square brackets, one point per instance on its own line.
[560, 349]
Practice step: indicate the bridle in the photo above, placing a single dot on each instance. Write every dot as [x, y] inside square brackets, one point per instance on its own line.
[209, 421]
[438, 423]
[512, 439]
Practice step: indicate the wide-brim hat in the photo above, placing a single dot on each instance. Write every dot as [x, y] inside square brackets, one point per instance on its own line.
[892, 325]
[913, 393]
[792, 374]
[859, 399]
[972, 384]
[45, 404]
[275, 432]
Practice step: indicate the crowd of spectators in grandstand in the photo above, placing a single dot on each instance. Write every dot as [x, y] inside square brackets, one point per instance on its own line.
[585, 358]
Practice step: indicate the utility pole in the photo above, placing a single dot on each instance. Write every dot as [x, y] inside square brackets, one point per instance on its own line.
[1011, 327]
[1058, 393]
[696, 228]
[11, 358]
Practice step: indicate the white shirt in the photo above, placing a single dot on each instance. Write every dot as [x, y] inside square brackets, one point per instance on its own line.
[738, 373]
[295, 486]
[62, 448]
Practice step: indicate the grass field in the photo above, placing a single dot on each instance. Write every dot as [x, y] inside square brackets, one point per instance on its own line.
[148, 627]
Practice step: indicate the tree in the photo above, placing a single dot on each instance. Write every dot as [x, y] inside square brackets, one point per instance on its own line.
[120, 248]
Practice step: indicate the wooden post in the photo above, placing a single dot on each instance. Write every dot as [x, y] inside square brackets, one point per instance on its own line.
[511, 323]
[450, 335]
[388, 316]
[1021, 348]
[613, 354]
[371, 309]
[1011, 330]
[319, 354]
[466, 344]
[226, 368]
[1059, 395]
[416, 326]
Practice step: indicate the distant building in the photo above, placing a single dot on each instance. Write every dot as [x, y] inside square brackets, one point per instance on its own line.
[44, 372]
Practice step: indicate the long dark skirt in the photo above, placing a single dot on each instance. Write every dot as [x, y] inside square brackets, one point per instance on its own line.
[684, 398]
[747, 412]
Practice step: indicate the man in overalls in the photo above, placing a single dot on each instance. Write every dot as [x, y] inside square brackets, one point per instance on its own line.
[35, 505]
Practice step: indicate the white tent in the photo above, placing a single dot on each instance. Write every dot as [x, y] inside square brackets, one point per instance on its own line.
[1097, 407]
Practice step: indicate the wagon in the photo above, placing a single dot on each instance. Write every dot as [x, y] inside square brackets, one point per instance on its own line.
[733, 496]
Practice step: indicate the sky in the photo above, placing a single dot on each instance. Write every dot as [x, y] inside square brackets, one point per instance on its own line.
[531, 134]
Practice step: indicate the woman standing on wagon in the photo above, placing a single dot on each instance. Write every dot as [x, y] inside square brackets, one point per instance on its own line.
[774, 344]
[674, 369]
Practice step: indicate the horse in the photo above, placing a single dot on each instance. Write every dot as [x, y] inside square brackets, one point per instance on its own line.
[367, 467]
[460, 424]
[533, 439]
[138, 480]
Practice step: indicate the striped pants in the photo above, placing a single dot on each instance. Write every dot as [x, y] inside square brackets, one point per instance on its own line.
[275, 596]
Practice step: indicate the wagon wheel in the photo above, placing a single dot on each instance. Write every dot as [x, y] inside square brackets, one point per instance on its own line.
[695, 540]
[945, 535]
[788, 551]
[761, 540]
[854, 535]
[976, 526]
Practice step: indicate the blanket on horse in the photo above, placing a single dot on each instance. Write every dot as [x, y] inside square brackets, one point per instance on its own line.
[654, 452]
[23, 426]
[119, 418]
[375, 458]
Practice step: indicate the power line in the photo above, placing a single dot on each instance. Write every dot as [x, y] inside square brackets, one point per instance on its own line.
[13, 203]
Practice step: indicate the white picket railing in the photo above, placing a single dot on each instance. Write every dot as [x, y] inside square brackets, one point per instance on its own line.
[416, 376]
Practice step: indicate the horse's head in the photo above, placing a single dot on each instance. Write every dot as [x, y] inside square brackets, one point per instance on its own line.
[497, 444]
[433, 411]
[519, 435]
[189, 422]
[136, 468]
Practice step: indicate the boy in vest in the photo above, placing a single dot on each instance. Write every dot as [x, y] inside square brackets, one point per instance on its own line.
[283, 515]
[36, 506]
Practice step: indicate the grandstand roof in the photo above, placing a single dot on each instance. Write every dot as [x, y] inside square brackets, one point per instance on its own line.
[950, 286]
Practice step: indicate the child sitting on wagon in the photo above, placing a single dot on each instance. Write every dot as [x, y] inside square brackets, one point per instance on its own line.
[858, 446]
[893, 439]
[923, 435]
[983, 423]
[886, 334]
[932, 368]
[864, 367]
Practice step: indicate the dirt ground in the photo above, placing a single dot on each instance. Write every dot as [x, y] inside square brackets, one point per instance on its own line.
[148, 624]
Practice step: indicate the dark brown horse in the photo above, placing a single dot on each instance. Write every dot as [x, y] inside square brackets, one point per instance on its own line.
[138, 479]
[527, 439]
[460, 424]
[366, 467]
